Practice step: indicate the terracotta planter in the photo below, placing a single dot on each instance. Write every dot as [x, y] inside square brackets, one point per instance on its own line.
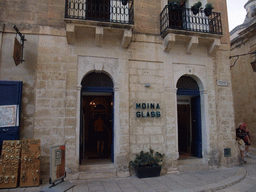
[144, 172]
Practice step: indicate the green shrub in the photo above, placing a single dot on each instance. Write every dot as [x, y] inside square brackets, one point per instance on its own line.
[147, 159]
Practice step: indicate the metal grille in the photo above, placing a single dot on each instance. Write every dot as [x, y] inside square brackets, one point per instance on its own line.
[97, 80]
[100, 10]
[187, 83]
[184, 19]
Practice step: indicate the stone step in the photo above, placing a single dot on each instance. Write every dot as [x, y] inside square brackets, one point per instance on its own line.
[191, 165]
[98, 171]
[97, 175]
[190, 161]
[96, 167]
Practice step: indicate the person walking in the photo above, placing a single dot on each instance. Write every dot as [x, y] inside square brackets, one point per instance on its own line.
[247, 140]
[100, 128]
[240, 134]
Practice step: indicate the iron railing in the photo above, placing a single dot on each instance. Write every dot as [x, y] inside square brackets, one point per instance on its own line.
[100, 10]
[184, 19]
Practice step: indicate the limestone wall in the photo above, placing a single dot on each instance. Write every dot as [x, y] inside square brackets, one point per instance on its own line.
[32, 12]
[146, 16]
[143, 73]
[243, 78]
[25, 72]
[55, 113]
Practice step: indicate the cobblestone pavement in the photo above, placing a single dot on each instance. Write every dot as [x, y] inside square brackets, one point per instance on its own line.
[237, 178]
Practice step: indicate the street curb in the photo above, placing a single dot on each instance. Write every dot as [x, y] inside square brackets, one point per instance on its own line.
[240, 175]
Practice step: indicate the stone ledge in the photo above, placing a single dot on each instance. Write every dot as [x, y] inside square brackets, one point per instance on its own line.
[100, 30]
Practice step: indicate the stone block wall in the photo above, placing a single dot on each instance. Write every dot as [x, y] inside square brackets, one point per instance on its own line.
[147, 132]
[33, 12]
[225, 109]
[25, 72]
[147, 16]
[243, 79]
[55, 113]
[53, 71]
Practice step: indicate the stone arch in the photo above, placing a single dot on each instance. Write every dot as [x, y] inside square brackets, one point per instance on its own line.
[108, 66]
[201, 82]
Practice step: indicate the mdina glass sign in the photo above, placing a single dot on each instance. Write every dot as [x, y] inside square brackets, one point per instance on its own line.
[148, 110]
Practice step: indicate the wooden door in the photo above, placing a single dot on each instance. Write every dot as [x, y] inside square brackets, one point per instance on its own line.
[196, 145]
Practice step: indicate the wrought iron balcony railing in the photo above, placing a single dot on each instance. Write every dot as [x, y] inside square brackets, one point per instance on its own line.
[100, 10]
[184, 19]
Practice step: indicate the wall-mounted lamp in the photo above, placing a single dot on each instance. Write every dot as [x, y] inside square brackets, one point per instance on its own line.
[252, 63]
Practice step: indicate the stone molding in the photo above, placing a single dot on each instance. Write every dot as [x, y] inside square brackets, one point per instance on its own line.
[72, 25]
[110, 66]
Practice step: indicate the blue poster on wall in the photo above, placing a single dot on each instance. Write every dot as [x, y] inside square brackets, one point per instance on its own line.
[10, 103]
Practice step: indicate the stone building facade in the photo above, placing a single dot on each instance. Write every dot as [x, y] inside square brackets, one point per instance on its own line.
[243, 41]
[160, 81]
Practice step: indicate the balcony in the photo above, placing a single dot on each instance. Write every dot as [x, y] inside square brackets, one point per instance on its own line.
[184, 19]
[183, 24]
[101, 15]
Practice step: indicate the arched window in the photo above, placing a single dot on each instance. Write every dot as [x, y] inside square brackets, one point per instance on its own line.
[97, 82]
[187, 86]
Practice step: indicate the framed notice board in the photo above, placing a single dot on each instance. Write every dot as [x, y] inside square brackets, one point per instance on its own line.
[57, 163]
[10, 105]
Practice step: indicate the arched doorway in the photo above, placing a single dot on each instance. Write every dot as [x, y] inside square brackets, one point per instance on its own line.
[189, 118]
[96, 103]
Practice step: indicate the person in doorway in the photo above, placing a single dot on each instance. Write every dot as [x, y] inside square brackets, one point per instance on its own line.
[108, 135]
[247, 140]
[100, 128]
[240, 134]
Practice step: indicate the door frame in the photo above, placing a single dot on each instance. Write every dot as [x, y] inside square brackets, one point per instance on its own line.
[94, 91]
[99, 93]
[109, 66]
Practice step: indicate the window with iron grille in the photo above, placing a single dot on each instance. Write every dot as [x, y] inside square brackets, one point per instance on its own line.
[187, 83]
[97, 80]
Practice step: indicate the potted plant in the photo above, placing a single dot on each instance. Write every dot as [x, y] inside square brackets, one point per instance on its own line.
[196, 7]
[175, 5]
[208, 9]
[147, 164]
[124, 2]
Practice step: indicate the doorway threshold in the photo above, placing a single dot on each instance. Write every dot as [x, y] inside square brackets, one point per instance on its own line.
[187, 157]
[191, 164]
[96, 161]
[97, 171]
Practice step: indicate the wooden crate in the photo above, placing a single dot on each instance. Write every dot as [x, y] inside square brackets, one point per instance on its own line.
[10, 163]
[30, 163]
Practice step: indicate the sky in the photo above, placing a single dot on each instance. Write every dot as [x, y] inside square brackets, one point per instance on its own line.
[236, 12]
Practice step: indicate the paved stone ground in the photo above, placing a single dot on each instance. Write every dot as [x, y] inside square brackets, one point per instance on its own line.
[249, 183]
[238, 178]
